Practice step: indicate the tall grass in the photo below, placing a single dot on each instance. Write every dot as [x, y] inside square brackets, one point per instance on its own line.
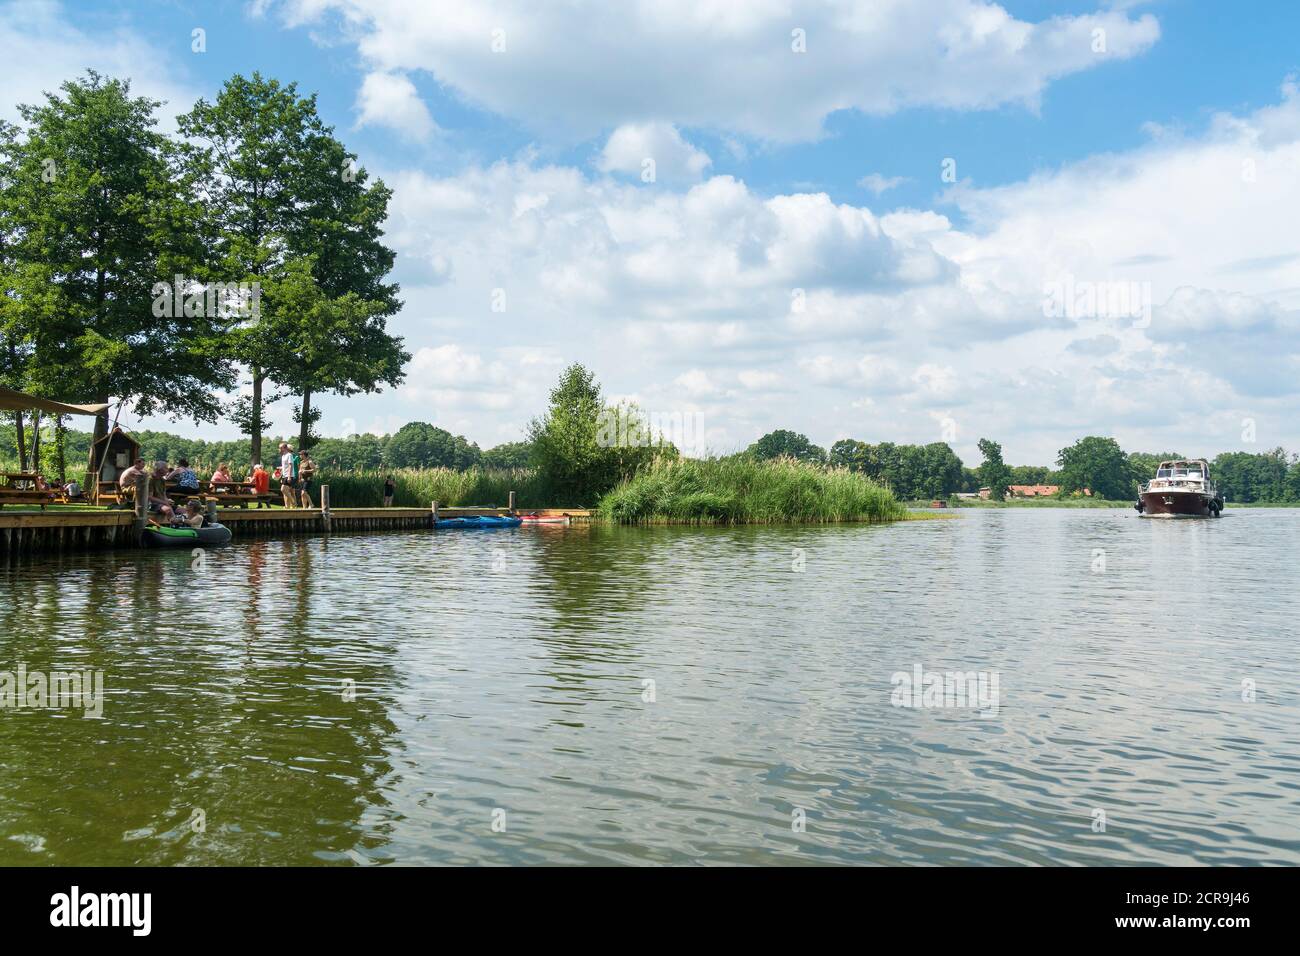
[419, 487]
[739, 490]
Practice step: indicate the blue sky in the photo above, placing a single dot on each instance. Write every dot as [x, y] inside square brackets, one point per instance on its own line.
[798, 260]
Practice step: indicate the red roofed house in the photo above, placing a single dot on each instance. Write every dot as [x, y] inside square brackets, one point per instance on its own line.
[1033, 491]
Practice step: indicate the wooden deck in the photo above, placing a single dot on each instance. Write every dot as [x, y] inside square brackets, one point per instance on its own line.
[24, 532]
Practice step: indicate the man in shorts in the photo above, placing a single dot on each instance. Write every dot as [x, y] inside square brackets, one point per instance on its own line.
[288, 475]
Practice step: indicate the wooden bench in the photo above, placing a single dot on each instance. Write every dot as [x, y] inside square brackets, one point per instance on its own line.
[13, 496]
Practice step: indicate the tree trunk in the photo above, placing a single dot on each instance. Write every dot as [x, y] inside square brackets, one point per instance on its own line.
[60, 449]
[255, 424]
[101, 431]
[36, 441]
[304, 428]
[20, 434]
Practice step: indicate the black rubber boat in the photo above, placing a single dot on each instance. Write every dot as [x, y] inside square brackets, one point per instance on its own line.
[212, 536]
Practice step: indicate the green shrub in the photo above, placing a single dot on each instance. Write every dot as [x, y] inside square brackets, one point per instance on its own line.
[741, 490]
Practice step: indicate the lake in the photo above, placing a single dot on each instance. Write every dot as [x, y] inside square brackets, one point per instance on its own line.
[670, 695]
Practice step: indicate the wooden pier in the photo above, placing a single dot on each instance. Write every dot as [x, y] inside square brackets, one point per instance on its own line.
[29, 532]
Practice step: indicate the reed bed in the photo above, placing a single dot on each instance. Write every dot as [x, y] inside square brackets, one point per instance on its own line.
[739, 490]
[420, 487]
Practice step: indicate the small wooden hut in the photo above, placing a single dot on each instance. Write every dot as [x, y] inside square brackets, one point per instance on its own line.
[109, 457]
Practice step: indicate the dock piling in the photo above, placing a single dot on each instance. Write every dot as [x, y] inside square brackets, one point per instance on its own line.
[325, 507]
[141, 504]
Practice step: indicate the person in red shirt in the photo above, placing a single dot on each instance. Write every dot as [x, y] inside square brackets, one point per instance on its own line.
[261, 480]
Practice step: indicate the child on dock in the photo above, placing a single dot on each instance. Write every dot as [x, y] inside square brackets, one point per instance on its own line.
[390, 490]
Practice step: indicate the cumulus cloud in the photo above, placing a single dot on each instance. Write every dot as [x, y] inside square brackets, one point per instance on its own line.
[761, 68]
[652, 152]
[391, 100]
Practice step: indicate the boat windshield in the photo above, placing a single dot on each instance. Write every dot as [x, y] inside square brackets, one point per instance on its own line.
[1191, 471]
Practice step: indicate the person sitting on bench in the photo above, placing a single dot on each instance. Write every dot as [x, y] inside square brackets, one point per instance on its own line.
[158, 500]
[126, 480]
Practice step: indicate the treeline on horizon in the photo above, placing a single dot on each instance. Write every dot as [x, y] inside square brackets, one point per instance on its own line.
[912, 472]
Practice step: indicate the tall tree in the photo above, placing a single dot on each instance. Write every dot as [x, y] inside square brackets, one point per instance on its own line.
[1097, 465]
[327, 344]
[97, 212]
[284, 190]
[250, 156]
[992, 471]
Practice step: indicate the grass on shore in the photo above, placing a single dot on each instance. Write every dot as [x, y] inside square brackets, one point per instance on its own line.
[742, 491]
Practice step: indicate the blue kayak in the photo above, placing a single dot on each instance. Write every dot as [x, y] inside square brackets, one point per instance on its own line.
[482, 521]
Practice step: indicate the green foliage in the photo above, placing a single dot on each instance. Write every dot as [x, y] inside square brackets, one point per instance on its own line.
[1265, 476]
[96, 209]
[993, 473]
[910, 471]
[514, 454]
[1096, 464]
[290, 210]
[784, 443]
[421, 445]
[581, 448]
[1032, 475]
[741, 489]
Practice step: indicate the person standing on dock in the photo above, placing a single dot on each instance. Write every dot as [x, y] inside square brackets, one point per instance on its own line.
[261, 480]
[288, 475]
[306, 474]
[390, 490]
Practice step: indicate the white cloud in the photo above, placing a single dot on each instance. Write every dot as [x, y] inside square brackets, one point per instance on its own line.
[581, 67]
[878, 184]
[43, 47]
[652, 152]
[391, 100]
[687, 296]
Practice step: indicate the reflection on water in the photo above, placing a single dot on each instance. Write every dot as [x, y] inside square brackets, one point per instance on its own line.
[668, 695]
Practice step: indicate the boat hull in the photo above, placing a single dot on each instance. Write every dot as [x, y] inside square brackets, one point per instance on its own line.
[1179, 504]
[544, 519]
[212, 536]
[482, 522]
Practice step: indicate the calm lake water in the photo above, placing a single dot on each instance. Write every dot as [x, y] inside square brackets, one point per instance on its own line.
[502, 680]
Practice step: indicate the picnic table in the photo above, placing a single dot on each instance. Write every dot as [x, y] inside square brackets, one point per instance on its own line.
[19, 488]
[231, 492]
[232, 487]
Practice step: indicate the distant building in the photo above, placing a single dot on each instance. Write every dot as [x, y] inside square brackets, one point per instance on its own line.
[1032, 491]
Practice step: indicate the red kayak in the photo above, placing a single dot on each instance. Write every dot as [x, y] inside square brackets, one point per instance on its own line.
[544, 519]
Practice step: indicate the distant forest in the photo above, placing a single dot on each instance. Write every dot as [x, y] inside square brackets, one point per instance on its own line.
[415, 445]
[912, 471]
